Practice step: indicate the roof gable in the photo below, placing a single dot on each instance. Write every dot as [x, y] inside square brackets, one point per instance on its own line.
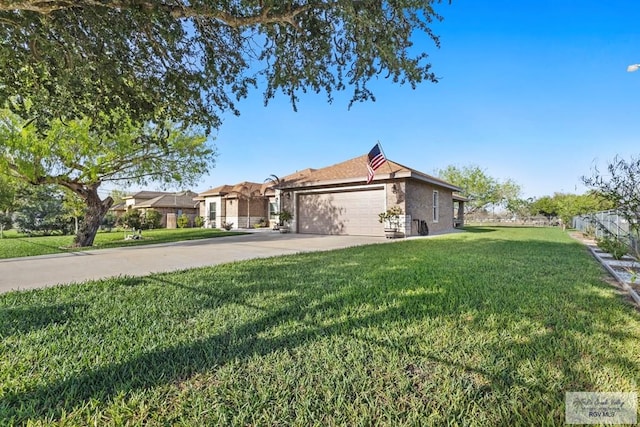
[171, 200]
[216, 191]
[355, 170]
[246, 188]
[241, 189]
[146, 195]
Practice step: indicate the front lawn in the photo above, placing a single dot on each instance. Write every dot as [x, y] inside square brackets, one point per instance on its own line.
[16, 245]
[484, 328]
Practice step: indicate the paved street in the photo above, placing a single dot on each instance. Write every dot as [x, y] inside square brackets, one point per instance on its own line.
[49, 270]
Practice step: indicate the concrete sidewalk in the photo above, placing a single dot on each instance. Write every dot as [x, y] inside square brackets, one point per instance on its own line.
[50, 270]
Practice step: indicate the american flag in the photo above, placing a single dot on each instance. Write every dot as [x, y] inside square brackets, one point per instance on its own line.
[376, 159]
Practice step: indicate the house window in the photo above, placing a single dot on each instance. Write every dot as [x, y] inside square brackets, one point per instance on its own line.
[436, 206]
[212, 214]
[273, 209]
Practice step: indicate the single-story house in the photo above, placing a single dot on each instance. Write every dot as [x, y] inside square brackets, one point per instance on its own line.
[337, 200]
[118, 209]
[243, 205]
[170, 205]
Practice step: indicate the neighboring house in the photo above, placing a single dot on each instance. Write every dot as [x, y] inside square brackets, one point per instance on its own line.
[243, 205]
[170, 205]
[119, 209]
[133, 200]
[337, 200]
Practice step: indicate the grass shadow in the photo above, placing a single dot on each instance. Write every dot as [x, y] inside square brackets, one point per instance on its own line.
[410, 302]
[478, 229]
[23, 320]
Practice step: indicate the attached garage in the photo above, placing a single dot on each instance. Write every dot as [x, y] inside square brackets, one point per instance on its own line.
[353, 212]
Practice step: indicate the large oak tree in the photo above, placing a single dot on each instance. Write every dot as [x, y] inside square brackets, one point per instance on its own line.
[74, 156]
[191, 60]
[99, 64]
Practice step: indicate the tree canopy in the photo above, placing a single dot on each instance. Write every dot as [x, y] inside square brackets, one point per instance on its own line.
[42, 211]
[481, 189]
[190, 61]
[565, 206]
[112, 90]
[73, 156]
[620, 186]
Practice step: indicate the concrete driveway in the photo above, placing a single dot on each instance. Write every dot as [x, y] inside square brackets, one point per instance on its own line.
[50, 270]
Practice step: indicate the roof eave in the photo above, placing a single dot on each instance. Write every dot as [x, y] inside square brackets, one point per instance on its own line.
[434, 181]
[378, 178]
[329, 182]
[216, 194]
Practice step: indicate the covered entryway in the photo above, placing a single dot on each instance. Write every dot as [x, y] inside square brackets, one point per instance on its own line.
[341, 212]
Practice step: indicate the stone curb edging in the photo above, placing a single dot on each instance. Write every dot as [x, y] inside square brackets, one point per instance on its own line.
[615, 274]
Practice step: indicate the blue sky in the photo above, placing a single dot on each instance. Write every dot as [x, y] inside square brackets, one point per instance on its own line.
[532, 90]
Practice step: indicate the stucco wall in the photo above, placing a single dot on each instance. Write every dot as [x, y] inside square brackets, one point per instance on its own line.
[419, 205]
[220, 211]
[234, 211]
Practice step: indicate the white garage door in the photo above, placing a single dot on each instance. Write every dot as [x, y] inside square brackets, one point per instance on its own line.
[345, 212]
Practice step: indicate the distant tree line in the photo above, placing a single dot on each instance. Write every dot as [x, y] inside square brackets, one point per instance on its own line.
[482, 191]
[561, 206]
[489, 194]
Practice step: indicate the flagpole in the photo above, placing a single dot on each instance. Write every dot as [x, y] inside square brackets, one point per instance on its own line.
[386, 158]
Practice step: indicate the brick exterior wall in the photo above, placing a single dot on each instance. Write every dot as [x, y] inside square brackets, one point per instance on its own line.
[191, 213]
[419, 205]
[257, 210]
[416, 200]
[235, 211]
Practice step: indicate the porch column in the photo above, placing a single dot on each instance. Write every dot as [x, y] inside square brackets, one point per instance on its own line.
[461, 213]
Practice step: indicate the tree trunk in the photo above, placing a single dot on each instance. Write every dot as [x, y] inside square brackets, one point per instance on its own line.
[94, 213]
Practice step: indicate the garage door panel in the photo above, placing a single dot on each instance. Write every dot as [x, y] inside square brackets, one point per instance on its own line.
[349, 212]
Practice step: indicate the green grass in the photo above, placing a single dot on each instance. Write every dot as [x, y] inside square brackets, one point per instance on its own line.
[485, 328]
[16, 245]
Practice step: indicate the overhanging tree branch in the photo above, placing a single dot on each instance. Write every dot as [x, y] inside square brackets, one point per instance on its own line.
[266, 15]
[190, 61]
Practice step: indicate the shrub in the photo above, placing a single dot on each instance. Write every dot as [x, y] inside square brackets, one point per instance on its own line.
[152, 219]
[391, 216]
[590, 231]
[183, 221]
[42, 212]
[5, 222]
[109, 221]
[284, 217]
[616, 247]
[260, 224]
[198, 221]
[132, 219]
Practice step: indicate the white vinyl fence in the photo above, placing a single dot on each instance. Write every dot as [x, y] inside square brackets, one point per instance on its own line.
[606, 223]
